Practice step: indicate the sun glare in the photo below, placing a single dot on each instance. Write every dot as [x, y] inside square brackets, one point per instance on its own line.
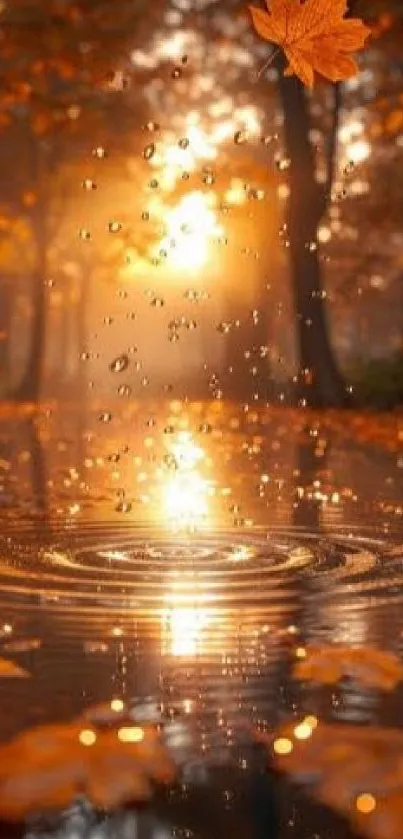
[191, 228]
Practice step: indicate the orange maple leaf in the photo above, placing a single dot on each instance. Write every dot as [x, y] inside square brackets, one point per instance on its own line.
[315, 36]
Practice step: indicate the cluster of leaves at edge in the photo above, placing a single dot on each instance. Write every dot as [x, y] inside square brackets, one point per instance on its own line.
[314, 35]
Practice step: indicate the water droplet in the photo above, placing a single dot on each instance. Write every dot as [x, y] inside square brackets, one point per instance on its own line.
[124, 390]
[349, 168]
[154, 183]
[240, 137]
[114, 226]
[149, 151]
[208, 176]
[123, 507]
[151, 126]
[105, 417]
[283, 163]
[119, 364]
[157, 302]
[145, 381]
[84, 234]
[88, 184]
[183, 143]
[145, 216]
[185, 176]
[176, 73]
[99, 152]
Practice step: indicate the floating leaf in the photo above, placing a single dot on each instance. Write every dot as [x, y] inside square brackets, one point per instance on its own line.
[49, 766]
[358, 771]
[9, 670]
[329, 663]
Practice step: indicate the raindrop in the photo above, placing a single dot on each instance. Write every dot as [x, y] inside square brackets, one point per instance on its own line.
[145, 216]
[105, 417]
[149, 151]
[119, 364]
[185, 176]
[176, 73]
[283, 163]
[145, 381]
[240, 137]
[124, 390]
[157, 302]
[224, 327]
[349, 168]
[154, 183]
[184, 59]
[114, 458]
[99, 152]
[205, 428]
[108, 320]
[123, 507]
[151, 126]
[114, 226]
[84, 234]
[208, 176]
[183, 143]
[88, 184]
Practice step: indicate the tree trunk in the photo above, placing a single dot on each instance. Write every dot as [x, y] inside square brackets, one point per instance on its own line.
[320, 381]
[29, 388]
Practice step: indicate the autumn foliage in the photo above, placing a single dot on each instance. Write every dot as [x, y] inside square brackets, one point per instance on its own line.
[355, 770]
[107, 758]
[328, 664]
[314, 35]
[9, 670]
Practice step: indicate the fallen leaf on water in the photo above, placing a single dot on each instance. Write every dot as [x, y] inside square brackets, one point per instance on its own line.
[315, 36]
[9, 670]
[328, 664]
[47, 767]
[358, 771]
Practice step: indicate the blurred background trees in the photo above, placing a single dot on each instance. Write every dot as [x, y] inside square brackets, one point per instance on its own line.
[154, 183]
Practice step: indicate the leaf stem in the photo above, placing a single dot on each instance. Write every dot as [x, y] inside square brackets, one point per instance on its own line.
[267, 63]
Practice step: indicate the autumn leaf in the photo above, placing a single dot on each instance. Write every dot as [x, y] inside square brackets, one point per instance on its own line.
[367, 665]
[315, 36]
[9, 670]
[356, 770]
[47, 767]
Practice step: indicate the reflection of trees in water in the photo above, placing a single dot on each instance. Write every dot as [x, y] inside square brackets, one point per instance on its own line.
[38, 468]
[307, 508]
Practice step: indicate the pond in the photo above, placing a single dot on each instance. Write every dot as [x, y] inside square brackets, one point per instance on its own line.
[179, 555]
